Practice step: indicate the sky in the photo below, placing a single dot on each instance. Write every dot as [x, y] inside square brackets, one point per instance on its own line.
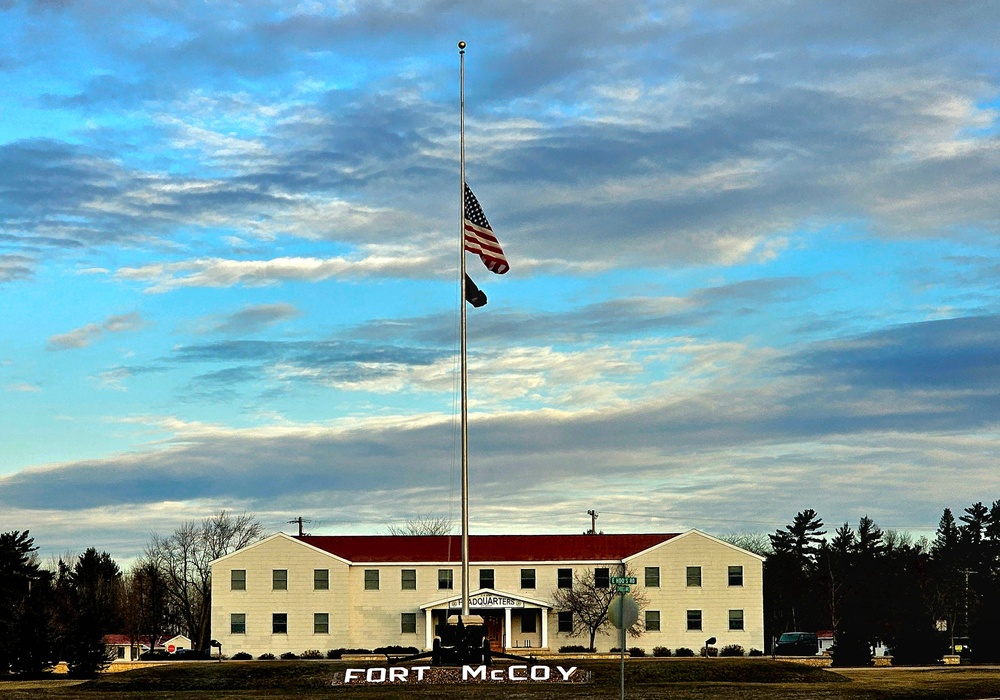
[753, 254]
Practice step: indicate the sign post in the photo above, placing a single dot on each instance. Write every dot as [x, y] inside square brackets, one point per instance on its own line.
[623, 613]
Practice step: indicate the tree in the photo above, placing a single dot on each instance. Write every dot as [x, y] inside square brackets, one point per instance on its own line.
[589, 599]
[145, 608]
[93, 591]
[422, 525]
[755, 542]
[26, 634]
[184, 560]
[791, 601]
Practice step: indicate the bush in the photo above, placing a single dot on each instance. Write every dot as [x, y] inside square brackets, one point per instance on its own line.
[850, 649]
[398, 650]
[266, 657]
[241, 656]
[661, 651]
[311, 654]
[755, 652]
[636, 652]
[708, 651]
[571, 648]
[288, 655]
[338, 653]
[684, 651]
[731, 650]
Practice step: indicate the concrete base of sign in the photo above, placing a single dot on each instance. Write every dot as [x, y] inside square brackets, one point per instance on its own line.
[952, 660]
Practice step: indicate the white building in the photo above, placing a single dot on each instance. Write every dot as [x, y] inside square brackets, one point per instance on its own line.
[287, 593]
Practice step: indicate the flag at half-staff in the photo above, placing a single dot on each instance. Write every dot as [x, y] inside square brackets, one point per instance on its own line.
[473, 294]
[479, 238]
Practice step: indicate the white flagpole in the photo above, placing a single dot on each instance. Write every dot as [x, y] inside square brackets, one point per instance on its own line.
[465, 385]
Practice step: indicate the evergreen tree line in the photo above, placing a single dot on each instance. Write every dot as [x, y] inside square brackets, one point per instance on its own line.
[872, 586]
[47, 615]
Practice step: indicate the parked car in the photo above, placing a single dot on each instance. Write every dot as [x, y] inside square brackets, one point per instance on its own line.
[797, 644]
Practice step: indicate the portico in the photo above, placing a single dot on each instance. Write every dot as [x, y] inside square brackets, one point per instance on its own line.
[513, 621]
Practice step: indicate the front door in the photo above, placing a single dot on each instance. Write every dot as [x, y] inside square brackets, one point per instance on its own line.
[494, 629]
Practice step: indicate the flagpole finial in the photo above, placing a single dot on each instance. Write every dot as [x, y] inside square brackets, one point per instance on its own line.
[461, 46]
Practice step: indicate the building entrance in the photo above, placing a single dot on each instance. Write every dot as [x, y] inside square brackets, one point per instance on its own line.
[494, 627]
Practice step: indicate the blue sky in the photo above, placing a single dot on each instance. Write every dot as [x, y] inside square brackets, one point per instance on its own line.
[753, 249]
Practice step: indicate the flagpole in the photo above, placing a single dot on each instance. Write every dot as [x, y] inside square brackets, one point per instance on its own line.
[464, 372]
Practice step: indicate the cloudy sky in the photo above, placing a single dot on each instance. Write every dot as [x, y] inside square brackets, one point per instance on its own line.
[753, 248]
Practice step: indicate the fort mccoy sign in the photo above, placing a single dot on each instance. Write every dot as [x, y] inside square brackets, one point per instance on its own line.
[515, 673]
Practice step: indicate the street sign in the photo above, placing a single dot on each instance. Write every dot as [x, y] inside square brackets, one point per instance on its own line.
[631, 580]
[623, 612]
[621, 588]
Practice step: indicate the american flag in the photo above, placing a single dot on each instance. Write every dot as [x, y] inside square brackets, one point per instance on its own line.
[479, 238]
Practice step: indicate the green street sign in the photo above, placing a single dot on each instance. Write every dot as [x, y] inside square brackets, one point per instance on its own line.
[622, 588]
[631, 580]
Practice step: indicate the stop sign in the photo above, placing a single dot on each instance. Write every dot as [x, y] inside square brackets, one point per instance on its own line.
[623, 611]
[171, 648]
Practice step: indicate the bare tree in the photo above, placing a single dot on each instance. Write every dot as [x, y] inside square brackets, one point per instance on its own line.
[755, 542]
[589, 603]
[185, 558]
[422, 525]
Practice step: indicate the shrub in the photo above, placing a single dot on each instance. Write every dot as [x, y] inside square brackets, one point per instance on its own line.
[266, 657]
[311, 654]
[636, 652]
[731, 650]
[850, 649]
[338, 653]
[684, 651]
[396, 649]
[708, 651]
[241, 656]
[571, 648]
[755, 652]
[661, 651]
[289, 655]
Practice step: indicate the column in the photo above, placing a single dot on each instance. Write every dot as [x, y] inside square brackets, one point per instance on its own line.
[507, 641]
[545, 627]
[428, 628]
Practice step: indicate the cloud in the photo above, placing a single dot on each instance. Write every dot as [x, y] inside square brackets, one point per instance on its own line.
[254, 319]
[23, 387]
[85, 335]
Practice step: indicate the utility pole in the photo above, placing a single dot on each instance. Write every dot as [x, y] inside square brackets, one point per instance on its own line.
[299, 520]
[966, 601]
[593, 522]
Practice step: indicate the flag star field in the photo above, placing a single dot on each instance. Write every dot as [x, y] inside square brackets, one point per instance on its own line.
[753, 253]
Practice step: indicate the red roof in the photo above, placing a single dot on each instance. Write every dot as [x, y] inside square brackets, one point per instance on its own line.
[484, 548]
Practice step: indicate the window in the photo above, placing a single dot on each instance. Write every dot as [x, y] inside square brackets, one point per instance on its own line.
[238, 623]
[321, 579]
[694, 576]
[735, 619]
[564, 578]
[408, 579]
[408, 623]
[446, 579]
[694, 619]
[566, 622]
[371, 579]
[486, 578]
[279, 579]
[121, 652]
[736, 576]
[528, 621]
[652, 620]
[279, 623]
[602, 578]
[321, 623]
[527, 578]
[652, 577]
[238, 580]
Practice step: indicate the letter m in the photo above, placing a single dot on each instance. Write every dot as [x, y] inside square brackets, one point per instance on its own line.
[468, 672]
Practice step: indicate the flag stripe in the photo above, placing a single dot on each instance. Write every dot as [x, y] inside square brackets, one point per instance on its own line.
[479, 238]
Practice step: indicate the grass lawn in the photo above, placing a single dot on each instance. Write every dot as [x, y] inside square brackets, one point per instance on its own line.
[742, 679]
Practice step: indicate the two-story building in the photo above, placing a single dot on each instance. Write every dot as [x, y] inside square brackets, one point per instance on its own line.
[286, 593]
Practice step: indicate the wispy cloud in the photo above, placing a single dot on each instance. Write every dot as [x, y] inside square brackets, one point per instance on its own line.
[85, 335]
